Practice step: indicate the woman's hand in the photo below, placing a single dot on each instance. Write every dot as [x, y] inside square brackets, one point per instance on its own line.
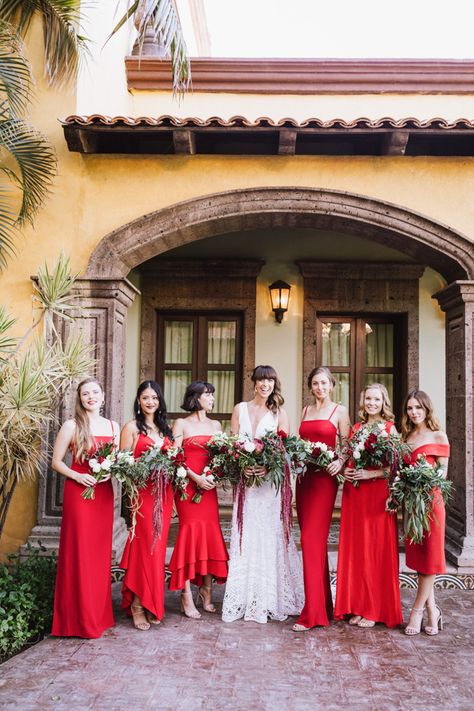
[106, 477]
[255, 471]
[366, 474]
[205, 482]
[335, 467]
[85, 479]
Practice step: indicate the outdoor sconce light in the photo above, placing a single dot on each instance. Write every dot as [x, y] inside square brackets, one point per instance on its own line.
[280, 296]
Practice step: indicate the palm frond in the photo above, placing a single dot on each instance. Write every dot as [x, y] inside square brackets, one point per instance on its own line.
[36, 163]
[7, 343]
[16, 78]
[8, 228]
[64, 46]
[77, 358]
[52, 290]
[163, 17]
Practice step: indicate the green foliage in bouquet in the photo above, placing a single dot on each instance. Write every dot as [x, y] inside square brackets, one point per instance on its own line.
[413, 490]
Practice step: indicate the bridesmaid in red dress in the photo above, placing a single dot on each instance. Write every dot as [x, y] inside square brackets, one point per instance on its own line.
[421, 430]
[82, 599]
[200, 552]
[367, 568]
[143, 587]
[315, 495]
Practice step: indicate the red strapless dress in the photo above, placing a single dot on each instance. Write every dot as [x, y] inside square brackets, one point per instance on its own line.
[367, 566]
[427, 557]
[200, 549]
[315, 495]
[144, 564]
[82, 598]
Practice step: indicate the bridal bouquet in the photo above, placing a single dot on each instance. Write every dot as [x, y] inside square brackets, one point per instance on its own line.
[165, 463]
[100, 465]
[373, 446]
[133, 475]
[224, 458]
[298, 452]
[414, 489]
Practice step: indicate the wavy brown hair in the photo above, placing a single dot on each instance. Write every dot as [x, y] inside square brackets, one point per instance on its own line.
[321, 370]
[386, 413]
[265, 372]
[82, 441]
[425, 401]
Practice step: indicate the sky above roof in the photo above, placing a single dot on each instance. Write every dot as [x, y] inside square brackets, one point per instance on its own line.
[343, 29]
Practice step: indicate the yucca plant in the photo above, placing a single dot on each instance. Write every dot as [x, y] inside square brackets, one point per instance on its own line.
[35, 372]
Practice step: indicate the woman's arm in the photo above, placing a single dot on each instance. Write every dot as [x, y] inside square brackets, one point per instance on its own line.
[343, 430]
[283, 421]
[61, 446]
[129, 436]
[234, 420]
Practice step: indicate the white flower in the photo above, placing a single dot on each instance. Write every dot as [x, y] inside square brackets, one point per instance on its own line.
[95, 467]
[384, 434]
[322, 446]
[249, 446]
[356, 454]
[106, 464]
[331, 454]
[181, 473]
[381, 426]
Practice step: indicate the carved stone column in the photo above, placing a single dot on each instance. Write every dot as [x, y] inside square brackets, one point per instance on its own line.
[457, 301]
[101, 316]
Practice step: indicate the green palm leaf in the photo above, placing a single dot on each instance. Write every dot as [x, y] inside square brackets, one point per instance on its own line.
[16, 79]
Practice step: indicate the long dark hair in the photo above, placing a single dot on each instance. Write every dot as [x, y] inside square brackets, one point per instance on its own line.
[267, 372]
[160, 416]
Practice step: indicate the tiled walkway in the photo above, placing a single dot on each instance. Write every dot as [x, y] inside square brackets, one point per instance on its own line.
[187, 665]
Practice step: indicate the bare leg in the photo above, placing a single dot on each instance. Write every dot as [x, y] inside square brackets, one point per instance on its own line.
[205, 594]
[140, 621]
[187, 602]
[424, 594]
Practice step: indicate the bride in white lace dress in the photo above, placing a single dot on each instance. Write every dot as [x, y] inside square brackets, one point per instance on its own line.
[265, 573]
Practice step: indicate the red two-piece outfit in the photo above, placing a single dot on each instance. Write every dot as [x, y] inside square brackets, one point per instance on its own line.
[315, 495]
[200, 549]
[427, 557]
[83, 598]
[143, 562]
[367, 566]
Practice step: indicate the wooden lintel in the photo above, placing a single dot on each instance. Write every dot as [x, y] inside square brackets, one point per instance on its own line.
[287, 142]
[396, 143]
[184, 142]
[87, 141]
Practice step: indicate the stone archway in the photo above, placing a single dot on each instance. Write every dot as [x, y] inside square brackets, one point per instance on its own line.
[105, 295]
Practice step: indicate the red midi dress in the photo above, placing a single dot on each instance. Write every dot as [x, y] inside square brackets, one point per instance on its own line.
[315, 496]
[83, 598]
[367, 566]
[143, 562]
[428, 557]
[200, 549]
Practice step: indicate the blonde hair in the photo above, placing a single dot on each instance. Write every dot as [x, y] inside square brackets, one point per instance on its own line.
[425, 401]
[386, 413]
[82, 441]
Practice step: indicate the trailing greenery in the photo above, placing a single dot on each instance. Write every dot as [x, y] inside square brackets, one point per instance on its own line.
[26, 599]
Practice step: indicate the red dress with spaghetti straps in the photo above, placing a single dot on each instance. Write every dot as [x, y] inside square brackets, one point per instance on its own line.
[82, 598]
[200, 549]
[428, 557]
[367, 566]
[143, 562]
[315, 495]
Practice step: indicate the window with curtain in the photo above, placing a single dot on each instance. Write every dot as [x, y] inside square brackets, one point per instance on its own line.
[200, 346]
[360, 350]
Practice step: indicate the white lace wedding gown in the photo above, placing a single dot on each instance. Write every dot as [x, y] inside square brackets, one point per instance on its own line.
[265, 575]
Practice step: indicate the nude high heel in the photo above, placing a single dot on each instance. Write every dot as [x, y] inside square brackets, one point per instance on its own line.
[193, 614]
[438, 625]
[415, 628]
[204, 595]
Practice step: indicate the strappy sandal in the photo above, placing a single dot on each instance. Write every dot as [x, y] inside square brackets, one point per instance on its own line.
[152, 619]
[431, 630]
[415, 622]
[205, 596]
[354, 620]
[300, 628]
[138, 611]
[365, 623]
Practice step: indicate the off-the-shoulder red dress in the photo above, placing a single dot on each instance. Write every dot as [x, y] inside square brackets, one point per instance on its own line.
[428, 557]
[367, 566]
[200, 549]
[143, 561]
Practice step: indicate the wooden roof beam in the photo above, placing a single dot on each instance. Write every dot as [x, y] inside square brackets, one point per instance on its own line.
[184, 142]
[287, 142]
[395, 143]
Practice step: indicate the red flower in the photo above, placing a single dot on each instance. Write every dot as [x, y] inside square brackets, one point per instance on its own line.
[259, 446]
[167, 444]
[316, 452]
[282, 434]
[370, 442]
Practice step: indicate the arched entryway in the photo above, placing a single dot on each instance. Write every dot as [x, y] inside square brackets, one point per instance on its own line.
[105, 295]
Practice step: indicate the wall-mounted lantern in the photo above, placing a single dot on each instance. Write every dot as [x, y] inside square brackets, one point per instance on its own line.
[280, 296]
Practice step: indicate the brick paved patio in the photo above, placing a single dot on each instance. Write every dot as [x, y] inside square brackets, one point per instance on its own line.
[191, 665]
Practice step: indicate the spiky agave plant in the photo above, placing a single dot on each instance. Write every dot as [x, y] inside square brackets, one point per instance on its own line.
[34, 374]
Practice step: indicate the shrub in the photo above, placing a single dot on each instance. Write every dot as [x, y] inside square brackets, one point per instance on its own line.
[26, 599]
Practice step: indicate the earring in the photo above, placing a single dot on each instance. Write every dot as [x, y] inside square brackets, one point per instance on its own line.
[138, 408]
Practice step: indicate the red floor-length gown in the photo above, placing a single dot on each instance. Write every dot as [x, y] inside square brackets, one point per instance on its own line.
[428, 557]
[200, 549]
[143, 562]
[83, 598]
[315, 496]
[367, 566]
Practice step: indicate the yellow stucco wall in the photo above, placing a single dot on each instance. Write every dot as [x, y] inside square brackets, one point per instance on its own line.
[93, 195]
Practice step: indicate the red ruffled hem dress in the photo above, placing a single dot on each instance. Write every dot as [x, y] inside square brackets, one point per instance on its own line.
[143, 562]
[367, 566]
[83, 596]
[428, 556]
[200, 548]
[315, 496]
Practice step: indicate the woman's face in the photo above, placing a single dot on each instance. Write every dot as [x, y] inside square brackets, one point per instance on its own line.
[149, 401]
[206, 401]
[415, 411]
[373, 401]
[321, 386]
[264, 387]
[91, 396]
